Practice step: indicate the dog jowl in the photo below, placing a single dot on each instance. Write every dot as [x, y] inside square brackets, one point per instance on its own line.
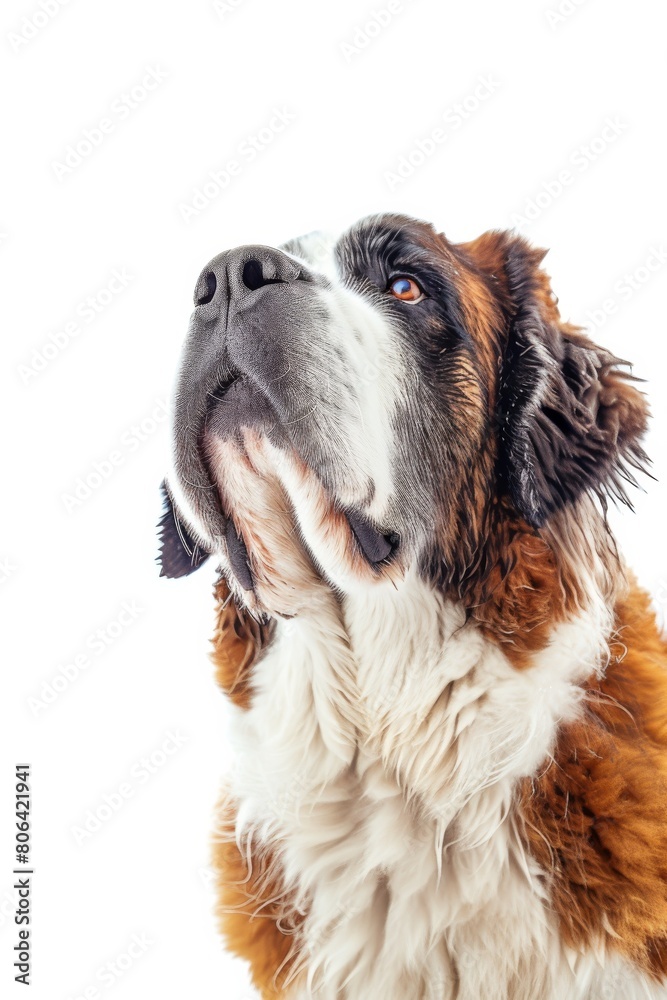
[399, 457]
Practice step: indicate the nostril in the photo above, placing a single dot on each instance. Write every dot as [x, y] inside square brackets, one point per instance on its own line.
[204, 295]
[253, 275]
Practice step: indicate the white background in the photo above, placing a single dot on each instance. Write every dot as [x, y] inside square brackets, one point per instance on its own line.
[357, 109]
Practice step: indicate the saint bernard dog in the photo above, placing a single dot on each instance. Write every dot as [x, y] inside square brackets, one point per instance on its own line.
[448, 693]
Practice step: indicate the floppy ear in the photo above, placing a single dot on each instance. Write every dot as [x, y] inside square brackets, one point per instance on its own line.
[570, 419]
[180, 554]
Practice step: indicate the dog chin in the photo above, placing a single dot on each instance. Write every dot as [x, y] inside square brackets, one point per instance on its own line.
[278, 562]
[238, 404]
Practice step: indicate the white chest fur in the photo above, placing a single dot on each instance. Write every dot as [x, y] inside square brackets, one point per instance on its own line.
[380, 755]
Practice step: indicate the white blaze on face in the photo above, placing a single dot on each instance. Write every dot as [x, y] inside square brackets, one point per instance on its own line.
[380, 376]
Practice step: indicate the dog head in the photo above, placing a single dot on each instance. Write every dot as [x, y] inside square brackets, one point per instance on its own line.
[349, 409]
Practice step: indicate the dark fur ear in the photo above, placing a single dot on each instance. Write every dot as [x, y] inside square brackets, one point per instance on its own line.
[570, 419]
[180, 554]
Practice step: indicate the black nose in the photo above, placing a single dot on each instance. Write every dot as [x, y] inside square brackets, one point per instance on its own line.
[244, 270]
[205, 294]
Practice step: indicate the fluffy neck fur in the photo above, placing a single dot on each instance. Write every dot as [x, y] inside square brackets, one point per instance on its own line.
[378, 765]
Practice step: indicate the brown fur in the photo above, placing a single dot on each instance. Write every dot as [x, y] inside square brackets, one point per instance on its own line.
[515, 584]
[518, 581]
[525, 592]
[595, 818]
[257, 918]
[237, 641]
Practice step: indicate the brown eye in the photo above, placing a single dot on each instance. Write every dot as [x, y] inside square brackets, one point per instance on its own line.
[406, 289]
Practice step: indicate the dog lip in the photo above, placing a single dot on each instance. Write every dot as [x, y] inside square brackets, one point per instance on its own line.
[376, 545]
[222, 387]
[238, 556]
